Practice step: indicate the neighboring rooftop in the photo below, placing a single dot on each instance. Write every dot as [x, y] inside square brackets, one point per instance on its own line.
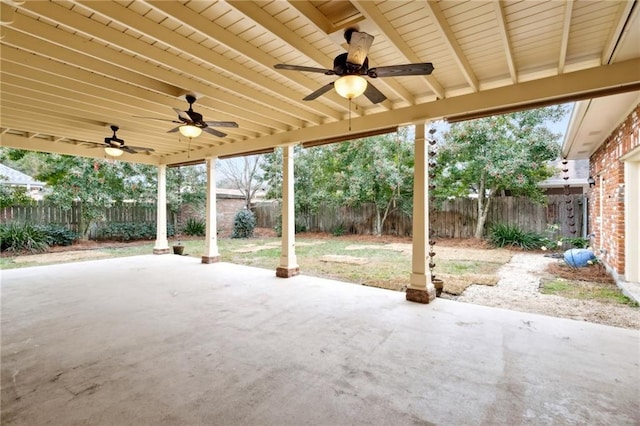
[16, 178]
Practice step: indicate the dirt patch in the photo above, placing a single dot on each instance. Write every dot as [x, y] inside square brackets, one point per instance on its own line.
[399, 247]
[456, 284]
[62, 256]
[253, 248]
[351, 260]
[444, 252]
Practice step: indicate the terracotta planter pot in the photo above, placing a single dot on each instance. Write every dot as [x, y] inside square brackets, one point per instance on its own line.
[439, 285]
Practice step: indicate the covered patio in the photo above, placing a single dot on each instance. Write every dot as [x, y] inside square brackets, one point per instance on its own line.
[70, 70]
[168, 340]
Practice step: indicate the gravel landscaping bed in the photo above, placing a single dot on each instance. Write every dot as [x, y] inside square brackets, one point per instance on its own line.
[518, 289]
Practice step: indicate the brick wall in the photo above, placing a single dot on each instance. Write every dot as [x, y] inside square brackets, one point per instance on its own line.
[606, 199]
[226, 209]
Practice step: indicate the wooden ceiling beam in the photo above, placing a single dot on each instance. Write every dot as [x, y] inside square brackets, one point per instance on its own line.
[370, 10]
[213, 31]
[621, 22]
[95, 65]
[142, 49]
[164, 35]
[600, 81]
[566, 30]
[314, 16]
[262, 18]
[441, 24]
[498, 6]
[34, 144]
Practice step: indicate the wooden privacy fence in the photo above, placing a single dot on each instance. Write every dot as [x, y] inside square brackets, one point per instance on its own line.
[42, 212]
[453, 218]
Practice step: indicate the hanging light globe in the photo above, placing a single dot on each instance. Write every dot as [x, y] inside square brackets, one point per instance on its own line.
[113, 152]
[350, 86]
[190, 131]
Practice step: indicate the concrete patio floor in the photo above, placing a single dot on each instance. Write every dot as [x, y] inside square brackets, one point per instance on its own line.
[166, 340]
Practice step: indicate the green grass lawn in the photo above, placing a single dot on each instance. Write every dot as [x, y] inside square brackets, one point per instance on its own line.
[383, 268]
[585, 290]
[375, 263]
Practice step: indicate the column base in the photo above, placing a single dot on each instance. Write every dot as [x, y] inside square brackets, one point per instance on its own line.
[210, 259]
[161, 251]
[287, 272]
[421, 296]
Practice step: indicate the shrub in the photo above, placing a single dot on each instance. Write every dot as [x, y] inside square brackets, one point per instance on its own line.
[58, 234]
[243, 224]
[300, 226]
[577, 242]
[195, 227]
[278, 226]
[129, 231]
[339, 230]
[501, 235]
[18, 237]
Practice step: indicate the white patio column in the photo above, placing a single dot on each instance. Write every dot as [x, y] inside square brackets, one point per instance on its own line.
[288, 266]
[162, 244]
[211, 254]
[420, 288]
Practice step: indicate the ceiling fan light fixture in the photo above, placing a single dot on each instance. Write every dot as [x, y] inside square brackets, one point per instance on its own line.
[113, 152]
[350, 86]
[190, 131]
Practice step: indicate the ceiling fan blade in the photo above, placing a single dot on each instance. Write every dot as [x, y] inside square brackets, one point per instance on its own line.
[321, 91]
[94, 144]
[137, 148]
[182, 114]
[221, 123]
[175, 129]
[156, 118]
[214, 132]
[128, 149]
[359, 47]
[302, 68]
[399, 70]
[373, 94]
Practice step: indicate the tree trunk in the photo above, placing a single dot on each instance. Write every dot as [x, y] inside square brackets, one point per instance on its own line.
[483, 207]
[483, 212]
[377, 227]
[381, 218]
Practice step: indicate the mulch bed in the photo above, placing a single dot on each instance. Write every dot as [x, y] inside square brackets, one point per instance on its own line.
[592, 273]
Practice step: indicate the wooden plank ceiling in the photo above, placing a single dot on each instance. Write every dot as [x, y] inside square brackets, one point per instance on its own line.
[69, 69]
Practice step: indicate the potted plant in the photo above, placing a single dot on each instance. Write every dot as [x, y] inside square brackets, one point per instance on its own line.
[178, 248]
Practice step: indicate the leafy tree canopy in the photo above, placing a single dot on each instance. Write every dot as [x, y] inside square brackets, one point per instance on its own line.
[493, 154]
[376, 170]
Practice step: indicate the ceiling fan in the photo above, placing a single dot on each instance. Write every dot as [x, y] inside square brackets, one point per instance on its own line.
[191, 123]
[354, 64]
[115, 147]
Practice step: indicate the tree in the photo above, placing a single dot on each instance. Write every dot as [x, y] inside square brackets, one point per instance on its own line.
[377, 170]
[186, 185]
[96, 184]
[488, 156]
[11, 196]
[244, 174]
